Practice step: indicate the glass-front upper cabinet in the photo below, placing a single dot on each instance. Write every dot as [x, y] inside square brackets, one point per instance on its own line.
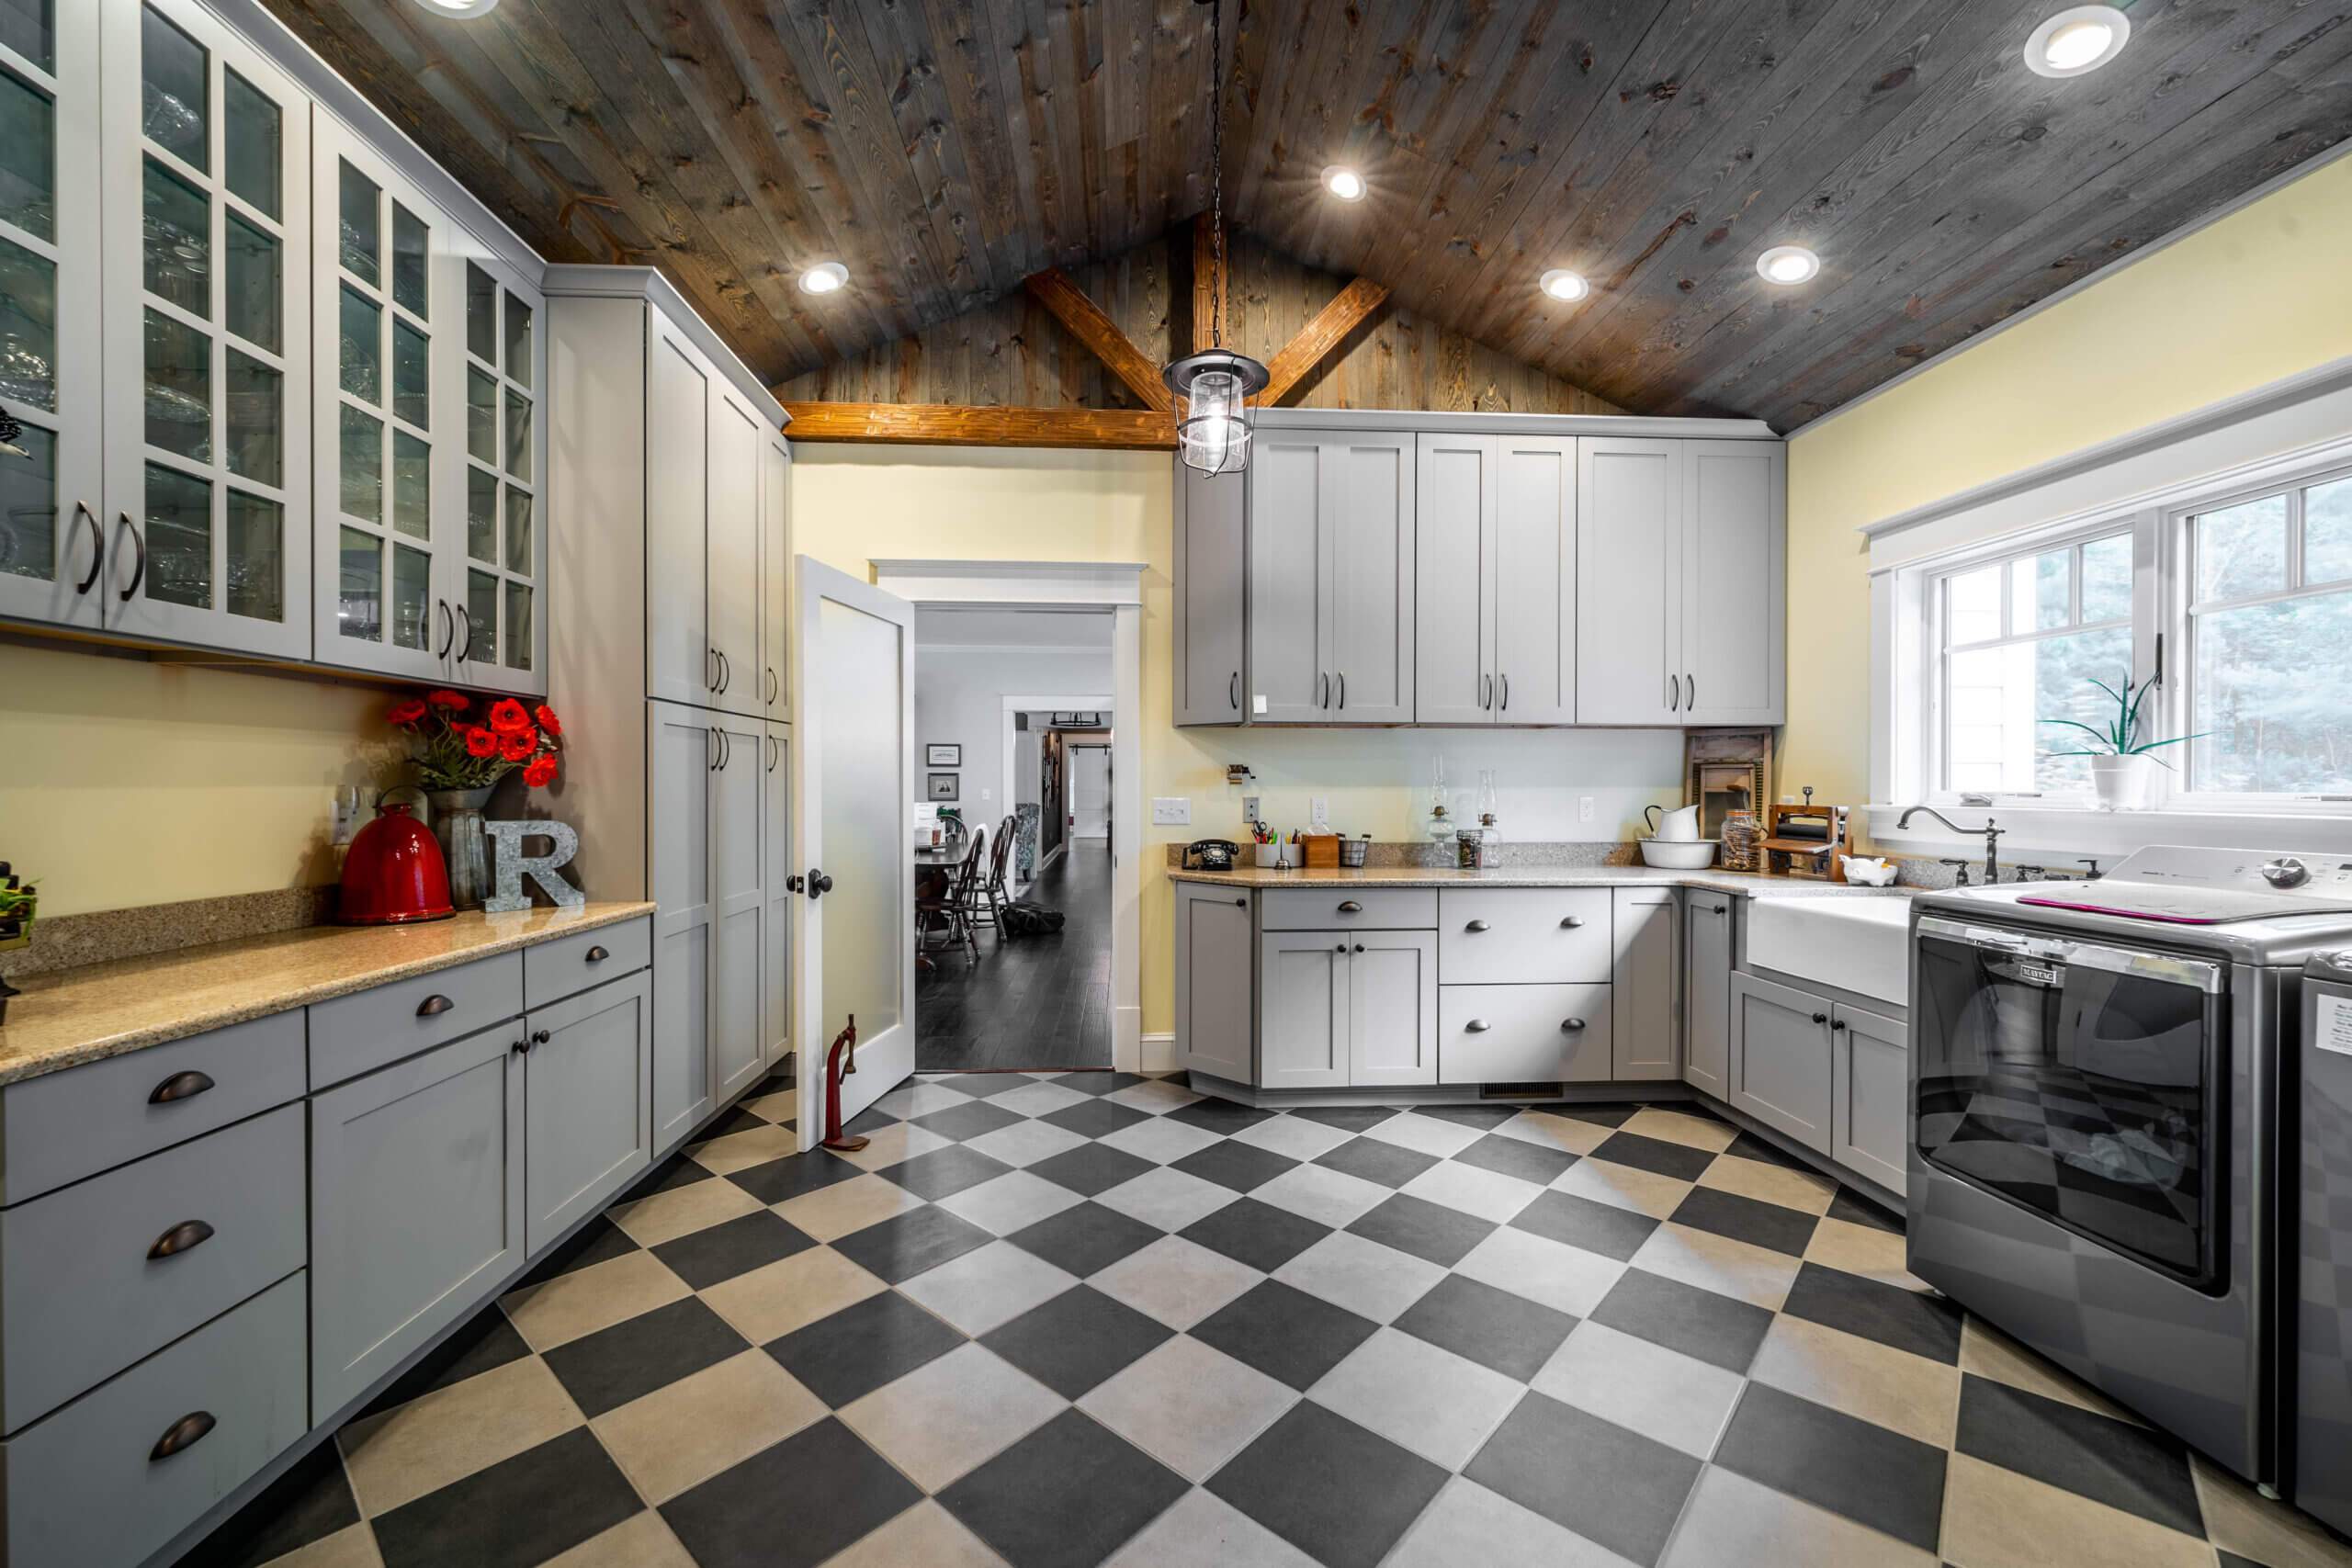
[502, 629]
[52, 540]
[206, 213]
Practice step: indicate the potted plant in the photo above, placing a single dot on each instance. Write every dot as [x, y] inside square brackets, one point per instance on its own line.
[2119, 754]
[458, 760]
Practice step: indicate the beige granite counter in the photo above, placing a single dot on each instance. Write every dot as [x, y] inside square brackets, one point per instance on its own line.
[68, 1017]
[1747, 884]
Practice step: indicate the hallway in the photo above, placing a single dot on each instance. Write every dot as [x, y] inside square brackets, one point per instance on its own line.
[1031, 1002]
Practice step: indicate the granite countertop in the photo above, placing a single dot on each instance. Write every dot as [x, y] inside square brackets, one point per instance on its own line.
[67, 1017]
[1747, 884]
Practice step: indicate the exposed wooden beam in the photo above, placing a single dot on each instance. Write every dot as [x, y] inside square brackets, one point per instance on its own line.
[1320, 336]
[1209, 292]
[1101, 334]
[947, 424]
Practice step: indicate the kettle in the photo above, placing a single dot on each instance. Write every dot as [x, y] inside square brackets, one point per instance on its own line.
[393, 873]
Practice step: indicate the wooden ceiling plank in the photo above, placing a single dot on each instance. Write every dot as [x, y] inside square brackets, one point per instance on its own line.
[944, 425]
[924, 123]
[1089, 323]
[1322, 333]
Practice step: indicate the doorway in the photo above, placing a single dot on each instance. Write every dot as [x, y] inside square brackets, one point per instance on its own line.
[1089, 790]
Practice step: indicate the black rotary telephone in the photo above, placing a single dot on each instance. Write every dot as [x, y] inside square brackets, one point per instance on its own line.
[1211, 854]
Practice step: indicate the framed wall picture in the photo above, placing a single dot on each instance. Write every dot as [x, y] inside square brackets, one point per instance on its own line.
[942, 786]
[943, 754]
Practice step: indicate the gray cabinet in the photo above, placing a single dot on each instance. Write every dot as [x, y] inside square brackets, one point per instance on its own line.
[1495, 580]
[589, 1093]
[1303, 1010]
[1645, 1043]
[738, 787]
[416, 1205]
[1706, 991]
[1733, 580]
[1331, 578]
[1215, 957]
[1392, 1008]
[1871, 1094]
[1523, 1034]
[1210, 605]
[1780, 1065]
[776, 851]
[1629, 608]
[685, 754]
[1453, 659]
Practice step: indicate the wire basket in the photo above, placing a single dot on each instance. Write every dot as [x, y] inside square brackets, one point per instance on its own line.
[1352, 850]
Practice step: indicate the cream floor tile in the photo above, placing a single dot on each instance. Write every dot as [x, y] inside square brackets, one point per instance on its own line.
[1988, 1352]
[1296, 1136]
[585, 1300]
[2241, 1521]
[888, 1146]
[741, 1150]
[1426, 1134]
[1674, 1127]
[1026, 1143]
[847, 1206]
[1680, 1400]
[682, 1434]
[1766, 1183]
[1203, 1531]
[783, 1106]
[1418, 1396]
[1890, 1388]
[918, 1098]
[792, 1292]
[925, 1535]
[1037, 1099]
[422, 1446]
[1159, 1140]
[641, 1540]
[1567, 1278]
[1168, 1199]
[1623, 1186]
[1997, 1519]
[1469, 1523]
[1318, 1192]
[988, 1286]
[1489, 1194]
[1010, 1202]
[1177, 1281]
[1159, 1096]
[1858, 1249]
[353, 1546]
[1364, 1276]
[1563, 1133]
[1189, 1407]
[681, 1211]
[1753, 1274]
[1731, 1519]
[950, 1415]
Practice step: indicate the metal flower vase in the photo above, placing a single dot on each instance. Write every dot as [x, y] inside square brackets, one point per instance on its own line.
[456, 823]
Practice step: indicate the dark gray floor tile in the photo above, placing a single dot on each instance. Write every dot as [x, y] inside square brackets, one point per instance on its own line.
[1748, 1146]
[944, 1172]
[1085, 1237]
[1857, 1209]
[1580, 1221]
[1257, 1234]
[905, 1244]
[2134, 1468]
[1539, 1163]
[1098, 1082]
[1427, 1230]
[873, 1119]
[968, 1120]
[1486, 1117]
[1601, 1113]
[1608, 1484]
[1339, 1494]
[1092, 1169]
[982, 1085]
[1076, 1340]
[595, 1242]
[790, 1506]
[514, 1514]
[310, 1502]
[1094, 1118]
[680, 1170]
[1241, 1166]
[794, 1175]
[1284, 1332]
[735, 1119]
[1214, 1115]
[1887, 1481]
[1759, 1224]
[487, 1340]
[1678, 1160]
[1065, 1496]
[1495, 1328]
[857, 1350]
[1715, 1329]
[1373, 1160]
[608, 1368]
[730, 1248]
[1908, 1320]
[1346, 1118]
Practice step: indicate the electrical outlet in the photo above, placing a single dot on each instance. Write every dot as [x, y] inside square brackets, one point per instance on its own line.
[1584, 808]
[984, 797]
[1319, 810]
[1249, 809]
[1171, 811]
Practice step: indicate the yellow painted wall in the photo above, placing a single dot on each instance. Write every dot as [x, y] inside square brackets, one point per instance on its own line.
[2261, 295]
[124, 783]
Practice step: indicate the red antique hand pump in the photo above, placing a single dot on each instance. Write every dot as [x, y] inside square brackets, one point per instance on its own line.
[839, 1062]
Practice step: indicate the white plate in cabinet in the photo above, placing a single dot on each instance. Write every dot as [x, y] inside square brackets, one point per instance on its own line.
[1332, 908]
[1511, 936]
[1523, 1034]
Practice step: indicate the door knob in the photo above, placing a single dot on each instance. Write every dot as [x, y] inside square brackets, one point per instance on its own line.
[818, 884]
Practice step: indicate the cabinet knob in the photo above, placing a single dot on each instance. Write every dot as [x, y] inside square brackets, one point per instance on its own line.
[1821, 1018]
[1837, 1024]
[1476, 1026]
[189, 1428]
[1571, 1025]
[1350, 906]
[541, 1037]
[187, 1234]
[1570, 922]
[1241, 903]
[180, 1086]
[434, 1006]
[1340, 947]
[1359, 947]
[520, 1048]
[1476, 926]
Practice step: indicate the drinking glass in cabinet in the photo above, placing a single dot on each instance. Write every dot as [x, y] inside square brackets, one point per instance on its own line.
[28, 328]
[250, 145]
[482, 315]
[518, 435]
[29, 26]
[363, 465]
[28, 157]
[518, 625]
[256, 585]
[518, 530]
[179, 387]
[481, 415]
[256, 397]
[363, 347]
[482, 514]
[356, 226]
[175, 100]
[411, 486]
[179, 242]
[412, 597]
[255, 280]
[359, 610]
[409, 283]
[179, 539]
[28, 507]
[411, 375]
[481, 609]
[518, 340]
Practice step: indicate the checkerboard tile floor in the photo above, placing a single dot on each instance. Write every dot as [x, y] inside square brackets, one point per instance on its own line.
[1051, 1320]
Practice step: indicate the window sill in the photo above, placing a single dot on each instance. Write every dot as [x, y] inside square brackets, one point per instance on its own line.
[2085, 831]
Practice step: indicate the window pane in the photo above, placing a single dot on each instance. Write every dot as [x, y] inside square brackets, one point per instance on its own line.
[1995, 699]
[255, 284]
[175, 100]
[518, 340]
[2106, 580]
[481, 513]
[481, 609]
[256, 558]
[518, 435]
[249, 134]
[363, 347]
[179, 538]
[1973, 606]
[28, 519]
[179, 387]
[518, 625]
[256, 443]
[518, 530]
[411, 593]
[2327, 532]
[408, 261]
[28, 328]
[411, 485]
[2041, 592]
[179, 241]
[29, 26]
[2242, 550]
[359, 607]
[28, 157]
[363, 465]
[411, 375]
[357, 224]
[2269, 691]
[481, 415]
[482, 315]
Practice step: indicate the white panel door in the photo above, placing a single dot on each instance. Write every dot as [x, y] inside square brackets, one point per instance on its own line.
[1453, 579]
[1646, 990]
[1532, 563]
[1629, 527]
[1090, 792]
[1303, 1010]
[738, 906]
[775, 855]
[775, 577]
[684, 753]
[1392, 1008]
[1365, 509]
[738, 440]
[1734, 582]
[678, 665]
[1289, 669]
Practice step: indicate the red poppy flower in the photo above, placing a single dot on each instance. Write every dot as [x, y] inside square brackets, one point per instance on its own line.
[405, 712]
[520, 745]
[480, 742]
[506, 716]
[449, 700]
[548, 720]
[539, 773]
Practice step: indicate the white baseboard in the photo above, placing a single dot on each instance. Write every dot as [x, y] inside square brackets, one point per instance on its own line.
[1158, 1053]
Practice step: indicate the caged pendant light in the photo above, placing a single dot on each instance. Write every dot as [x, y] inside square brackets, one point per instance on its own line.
[1214, 387]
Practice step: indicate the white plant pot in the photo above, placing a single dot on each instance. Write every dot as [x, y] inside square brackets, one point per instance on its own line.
[2121, 782]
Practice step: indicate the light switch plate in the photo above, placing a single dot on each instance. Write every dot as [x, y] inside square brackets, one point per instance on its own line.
[1249, 812]
[1171, 811]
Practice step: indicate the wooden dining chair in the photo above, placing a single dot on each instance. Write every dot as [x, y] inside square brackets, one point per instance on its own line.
[989, 894]
[948, 915]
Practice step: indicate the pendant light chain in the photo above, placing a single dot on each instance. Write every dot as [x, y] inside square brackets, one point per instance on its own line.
[1216, 167]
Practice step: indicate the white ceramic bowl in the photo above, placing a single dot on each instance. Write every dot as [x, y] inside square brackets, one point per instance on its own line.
[1678, 854]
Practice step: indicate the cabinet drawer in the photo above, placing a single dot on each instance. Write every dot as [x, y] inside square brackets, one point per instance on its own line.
[76, 1124]
[554, 970]
[1336, 909]
[1522, 1034]
[356, 1034]
[85, 1487]
[1516, 936]
[83, 1290]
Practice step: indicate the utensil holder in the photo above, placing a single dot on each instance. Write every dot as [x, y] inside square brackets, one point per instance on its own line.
[1269, 856]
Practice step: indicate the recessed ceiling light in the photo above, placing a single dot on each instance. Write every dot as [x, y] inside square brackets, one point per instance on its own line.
[1562, 284]
[2079, 38]
[462, 10]
[1343, 183]
[824, 278]
[1787, 263]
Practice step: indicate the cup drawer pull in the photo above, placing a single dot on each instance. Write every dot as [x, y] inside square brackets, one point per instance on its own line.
[1350, 906]
[1477, 926]
[1571, 1025]
[598, 953]
[180, 1086]
[187, 1430]
[434, 1006]
[1571, 923]
[181, 1237]
[1476, 1026]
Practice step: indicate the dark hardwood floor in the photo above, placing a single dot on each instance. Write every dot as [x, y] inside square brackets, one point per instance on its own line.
[1032, 1001]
